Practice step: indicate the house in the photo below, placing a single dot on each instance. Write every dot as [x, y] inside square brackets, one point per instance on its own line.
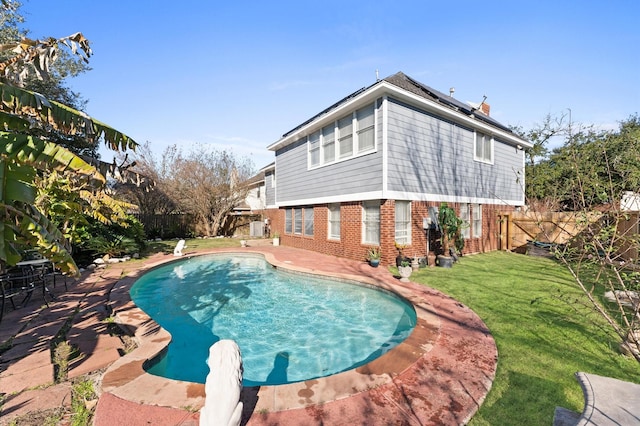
[255, 201]
[366, 171]
[247, 216]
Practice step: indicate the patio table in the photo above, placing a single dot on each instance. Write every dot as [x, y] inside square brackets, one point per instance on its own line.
[39, 269]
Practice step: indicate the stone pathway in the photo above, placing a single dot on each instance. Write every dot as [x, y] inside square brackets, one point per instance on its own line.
[27, 371]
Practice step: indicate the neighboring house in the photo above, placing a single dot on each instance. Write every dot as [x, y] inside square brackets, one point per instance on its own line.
[365, 171]
[256, 200]
[251, 210]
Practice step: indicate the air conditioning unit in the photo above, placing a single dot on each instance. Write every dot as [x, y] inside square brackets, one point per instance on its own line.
[256, 229]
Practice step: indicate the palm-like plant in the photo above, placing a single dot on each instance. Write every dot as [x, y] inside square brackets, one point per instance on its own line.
[450, 227]
[25, 153]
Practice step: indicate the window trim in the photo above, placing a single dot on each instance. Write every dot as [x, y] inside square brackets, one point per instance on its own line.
[324, 143]
[483, 158]
[354, 135]
[342, 138]
[297, 221]
[314, 147]
[465, 215]
[476, 218]
[365, 205]
[306, 220]
[358, 130]
[288, 221]
[406, 222]
[330, 221]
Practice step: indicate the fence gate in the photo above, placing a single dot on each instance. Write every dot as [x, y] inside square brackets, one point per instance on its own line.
[517, 228]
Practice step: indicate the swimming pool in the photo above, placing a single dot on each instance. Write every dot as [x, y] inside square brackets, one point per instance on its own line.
[289, 327]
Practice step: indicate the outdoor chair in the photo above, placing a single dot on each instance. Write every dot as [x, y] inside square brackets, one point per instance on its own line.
[50, 272]
[41, 275]
[15, 283]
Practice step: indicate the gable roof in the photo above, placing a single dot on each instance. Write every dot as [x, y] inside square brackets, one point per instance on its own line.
[408, 84]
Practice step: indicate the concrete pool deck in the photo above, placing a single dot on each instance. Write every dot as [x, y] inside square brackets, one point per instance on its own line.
[439, 375]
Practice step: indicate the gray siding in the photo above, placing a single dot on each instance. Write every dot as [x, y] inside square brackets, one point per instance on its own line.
[295, 182]
[269, 191]
[352, 176]
[430, 155]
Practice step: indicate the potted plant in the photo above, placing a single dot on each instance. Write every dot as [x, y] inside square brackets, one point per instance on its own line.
[276, 239]
[373, 256]
[450, 226]
[401, 257]
[405, 270]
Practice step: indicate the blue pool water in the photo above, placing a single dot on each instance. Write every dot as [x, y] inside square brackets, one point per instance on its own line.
[289, 327]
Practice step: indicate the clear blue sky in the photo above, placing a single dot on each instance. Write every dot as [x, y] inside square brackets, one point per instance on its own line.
[239, 74]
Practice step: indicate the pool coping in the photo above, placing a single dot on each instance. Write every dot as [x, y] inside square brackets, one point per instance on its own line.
[407, 362]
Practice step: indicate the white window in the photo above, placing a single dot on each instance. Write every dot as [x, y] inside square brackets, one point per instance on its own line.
[365, 124]
[403, 222]
[313, 143]
[484, 148]
[466, 218]
[287, 221]
[348, 137]
[328, 144]
[345, 136]
[334, 221]
[476, 210]
[308, 221]
[371, 222]
[297, 221]
[273, 179]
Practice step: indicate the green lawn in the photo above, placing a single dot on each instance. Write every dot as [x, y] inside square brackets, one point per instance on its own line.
[542, 340]
[167, 246]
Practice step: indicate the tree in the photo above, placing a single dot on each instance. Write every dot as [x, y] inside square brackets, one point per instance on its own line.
[450, 227]
[149, 192]
[581, 170]
[60, 66]
[537, 157]
[26, 153]
[591, 174]
[206, 183]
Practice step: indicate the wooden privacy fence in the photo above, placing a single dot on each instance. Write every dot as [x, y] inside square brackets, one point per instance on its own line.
[167, 225]
[629, 229]
[518, 228]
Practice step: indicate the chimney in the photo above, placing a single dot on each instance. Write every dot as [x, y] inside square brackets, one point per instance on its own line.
[485, 108]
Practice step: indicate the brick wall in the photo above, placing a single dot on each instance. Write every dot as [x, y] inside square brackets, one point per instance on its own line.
[350, 244]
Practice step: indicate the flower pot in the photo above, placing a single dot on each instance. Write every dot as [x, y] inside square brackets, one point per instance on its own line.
[445, 261]
[276, 241]
[243, 243]
[405, 273]
[374, 262]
